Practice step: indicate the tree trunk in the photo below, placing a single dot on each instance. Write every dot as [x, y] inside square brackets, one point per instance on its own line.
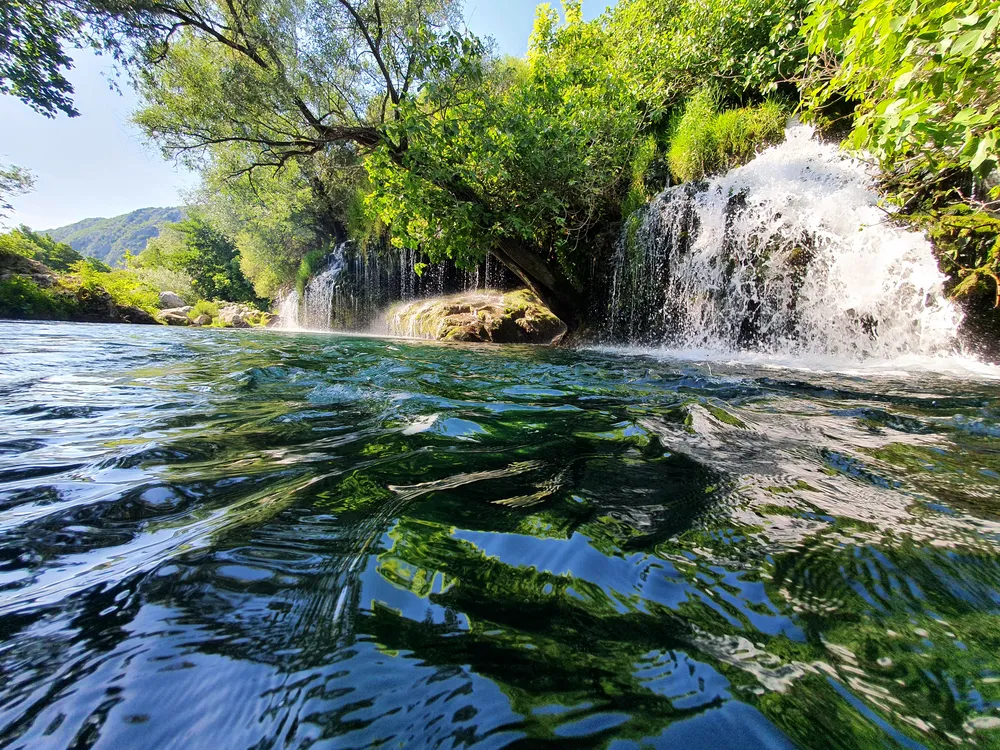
[546, 280]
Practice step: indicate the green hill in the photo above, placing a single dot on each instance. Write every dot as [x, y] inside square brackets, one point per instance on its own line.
[108, 239]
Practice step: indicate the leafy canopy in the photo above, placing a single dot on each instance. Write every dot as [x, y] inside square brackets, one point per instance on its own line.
[923, 75]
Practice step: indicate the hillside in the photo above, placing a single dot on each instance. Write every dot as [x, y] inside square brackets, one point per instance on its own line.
[108, 239]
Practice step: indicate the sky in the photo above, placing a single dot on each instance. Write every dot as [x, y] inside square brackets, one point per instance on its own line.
[98, 164]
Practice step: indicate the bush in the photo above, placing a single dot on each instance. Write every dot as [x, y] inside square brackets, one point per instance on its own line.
[706, 141]
[204, 307]
[167, 280]
[56, 255]
[308, 267]
[22, 298]
[124, 287]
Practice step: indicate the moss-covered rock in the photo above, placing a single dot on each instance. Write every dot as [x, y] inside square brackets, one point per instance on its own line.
[513, 318]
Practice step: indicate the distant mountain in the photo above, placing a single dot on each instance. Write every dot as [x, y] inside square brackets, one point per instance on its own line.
[108, 239]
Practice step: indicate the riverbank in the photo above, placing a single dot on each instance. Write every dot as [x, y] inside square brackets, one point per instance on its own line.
[89, 292]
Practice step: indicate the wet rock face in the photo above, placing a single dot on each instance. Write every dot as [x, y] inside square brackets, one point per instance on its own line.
[512, 318]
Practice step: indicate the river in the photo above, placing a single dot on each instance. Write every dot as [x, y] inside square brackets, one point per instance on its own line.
[234, 539]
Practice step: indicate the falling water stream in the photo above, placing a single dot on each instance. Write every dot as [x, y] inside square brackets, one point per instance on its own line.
[767, 516]
[353, 288]
[790, 254]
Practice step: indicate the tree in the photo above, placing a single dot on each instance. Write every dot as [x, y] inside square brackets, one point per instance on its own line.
[377, 77]
[196, 248]
[56, 255]
[14, 180]
[923, 76]
[32, 56]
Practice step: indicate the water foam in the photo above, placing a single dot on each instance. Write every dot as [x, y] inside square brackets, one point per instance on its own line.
[790, 254]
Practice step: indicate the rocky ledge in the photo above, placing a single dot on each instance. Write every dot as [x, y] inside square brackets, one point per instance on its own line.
[513, 318]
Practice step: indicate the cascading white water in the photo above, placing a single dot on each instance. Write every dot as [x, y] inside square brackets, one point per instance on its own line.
[353, 287]
[789, 253]
[288, 311]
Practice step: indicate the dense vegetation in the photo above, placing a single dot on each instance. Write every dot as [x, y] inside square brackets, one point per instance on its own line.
[385, 120]
[44, 279]
[110, 240]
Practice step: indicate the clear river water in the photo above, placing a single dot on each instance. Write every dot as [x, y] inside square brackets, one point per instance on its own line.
[234, 539]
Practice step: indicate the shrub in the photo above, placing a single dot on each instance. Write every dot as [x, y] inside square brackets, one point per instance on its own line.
[125, 288]
[310, 263]
[56, 255]
[706, 141]
[168, 280]
[22, 298]
[204, 307]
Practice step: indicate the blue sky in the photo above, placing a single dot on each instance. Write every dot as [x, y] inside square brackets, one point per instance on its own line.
[98, 164]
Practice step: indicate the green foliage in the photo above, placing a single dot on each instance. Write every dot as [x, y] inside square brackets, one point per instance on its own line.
[165, 280]
[124, 287]
[203, 253]
[706, 141]
[922, 73]
[204, 307]
[29, 244]
[276, 217]
[111, 240]
[968, 243]
[14, 180]
[22, 298]
[309, 265]
[32, 58]
[532, 158]
[667, 49]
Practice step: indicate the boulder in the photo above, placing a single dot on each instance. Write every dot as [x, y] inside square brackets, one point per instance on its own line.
[174, 318]
[136, 315]
[170, 300]
[513, 318]
[233, 316]
[202, 320]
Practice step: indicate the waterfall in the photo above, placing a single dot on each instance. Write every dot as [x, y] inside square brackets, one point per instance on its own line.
[789, 254]
[288, 311]
[353, 287]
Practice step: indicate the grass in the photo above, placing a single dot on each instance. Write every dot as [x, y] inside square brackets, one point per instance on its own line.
[204, 307]
[706, 141]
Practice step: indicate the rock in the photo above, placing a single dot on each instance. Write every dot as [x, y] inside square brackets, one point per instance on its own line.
[512, 318]
[174, 318]
[170, 300]
[233, 316]
[274, 321]
[202, 320]
[136, 315]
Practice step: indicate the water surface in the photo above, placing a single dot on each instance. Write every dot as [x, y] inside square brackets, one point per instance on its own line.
[235, 539]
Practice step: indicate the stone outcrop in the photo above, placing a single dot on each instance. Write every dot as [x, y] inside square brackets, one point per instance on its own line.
[512, 318]
[177, 316]
[170, 300]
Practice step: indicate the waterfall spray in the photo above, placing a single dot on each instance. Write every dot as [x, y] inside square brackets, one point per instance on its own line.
[353, 287]
[789, 254]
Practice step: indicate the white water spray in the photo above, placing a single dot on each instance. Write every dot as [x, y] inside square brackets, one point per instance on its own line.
[789, 254]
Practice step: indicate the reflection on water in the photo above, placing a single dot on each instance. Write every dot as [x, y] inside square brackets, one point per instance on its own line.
[236, 539]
